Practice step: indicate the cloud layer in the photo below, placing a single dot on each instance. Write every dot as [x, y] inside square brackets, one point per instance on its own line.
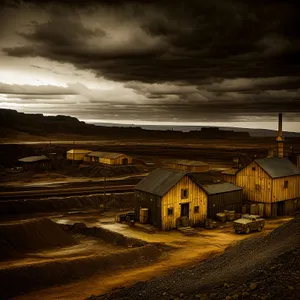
[201, 60]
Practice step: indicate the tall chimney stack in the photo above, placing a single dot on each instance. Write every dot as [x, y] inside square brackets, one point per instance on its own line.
[279, 138]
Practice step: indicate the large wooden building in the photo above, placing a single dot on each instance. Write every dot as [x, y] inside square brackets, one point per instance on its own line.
[109, 158]
[171, 195]
[190, 165]
[273, 181]
[77, 154]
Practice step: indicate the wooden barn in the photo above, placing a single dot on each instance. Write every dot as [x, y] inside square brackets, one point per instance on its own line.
[77, 154]
[35, 163]
[108, 158]
[171, 196]
[273, 181]
[190, 165]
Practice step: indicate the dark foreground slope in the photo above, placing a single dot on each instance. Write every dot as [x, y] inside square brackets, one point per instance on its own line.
[257, 268]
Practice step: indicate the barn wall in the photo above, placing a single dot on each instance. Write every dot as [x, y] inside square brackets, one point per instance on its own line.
[36, 166]
[248, 179]
[87, 159]
[76, 156]
[116, 161]
[196, 197]
[280, 193]
[224, 201]
[152, 202]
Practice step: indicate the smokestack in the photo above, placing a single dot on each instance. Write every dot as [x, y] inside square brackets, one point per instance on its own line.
[279, 138]
[280, 124]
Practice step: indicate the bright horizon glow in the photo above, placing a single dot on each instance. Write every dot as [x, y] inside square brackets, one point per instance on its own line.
[272, 125]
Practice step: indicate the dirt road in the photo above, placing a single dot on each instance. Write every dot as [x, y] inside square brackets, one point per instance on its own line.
[188, 251]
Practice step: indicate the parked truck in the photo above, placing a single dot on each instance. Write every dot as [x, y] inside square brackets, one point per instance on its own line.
[248, 223]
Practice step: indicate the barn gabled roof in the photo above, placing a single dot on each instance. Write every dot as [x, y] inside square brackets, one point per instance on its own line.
[31, 159]
[212, 183]
[160, 181]
[104, 154]
[78, 151]
[277, 167]
[219, 188]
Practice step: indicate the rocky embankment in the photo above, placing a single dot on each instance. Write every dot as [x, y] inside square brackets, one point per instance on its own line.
[262, 268]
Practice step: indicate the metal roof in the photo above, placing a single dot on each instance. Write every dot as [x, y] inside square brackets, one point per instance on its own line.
[190, 162]
[160, 181]
[230, 171]
[219, 188]
[79, 151]
[31, 159]
[105, 154]
[278, 167]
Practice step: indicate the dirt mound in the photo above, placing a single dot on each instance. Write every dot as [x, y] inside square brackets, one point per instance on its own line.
[108, 236]
[255, 268]
[62, 204]
[27, 278]
[35, 234]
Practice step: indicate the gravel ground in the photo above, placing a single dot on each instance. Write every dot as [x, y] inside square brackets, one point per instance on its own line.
[257, 268]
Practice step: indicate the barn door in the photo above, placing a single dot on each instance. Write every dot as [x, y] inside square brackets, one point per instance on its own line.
[185, 208]
[281, 208]
[125, 161]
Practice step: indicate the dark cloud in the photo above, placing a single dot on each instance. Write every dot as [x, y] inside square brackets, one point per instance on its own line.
[190, 59]
[229, 39]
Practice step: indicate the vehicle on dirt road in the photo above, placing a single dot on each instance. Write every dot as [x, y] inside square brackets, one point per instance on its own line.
[248, 223]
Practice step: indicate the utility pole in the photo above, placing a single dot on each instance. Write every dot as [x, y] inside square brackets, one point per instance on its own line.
[73, 152]
[104, 186]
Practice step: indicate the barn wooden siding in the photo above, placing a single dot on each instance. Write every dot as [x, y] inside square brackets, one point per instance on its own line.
[108, 160]
[224, 201]
[281, 208]
[191, 168]
[152, 202]
[196, 197]
[76, 156]
[256, 184]
[281, 193]
[115, 161]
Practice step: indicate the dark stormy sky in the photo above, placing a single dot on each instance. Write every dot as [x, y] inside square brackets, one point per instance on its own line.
[173, 62]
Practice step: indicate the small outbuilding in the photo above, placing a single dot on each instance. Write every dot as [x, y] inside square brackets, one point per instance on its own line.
[221, 195]
[109, 158]
[77, 154]
[172, 196]
[35, 163]
[190, 165]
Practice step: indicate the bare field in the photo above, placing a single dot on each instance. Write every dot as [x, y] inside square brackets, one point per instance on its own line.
[102, 255]
[185, 251]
